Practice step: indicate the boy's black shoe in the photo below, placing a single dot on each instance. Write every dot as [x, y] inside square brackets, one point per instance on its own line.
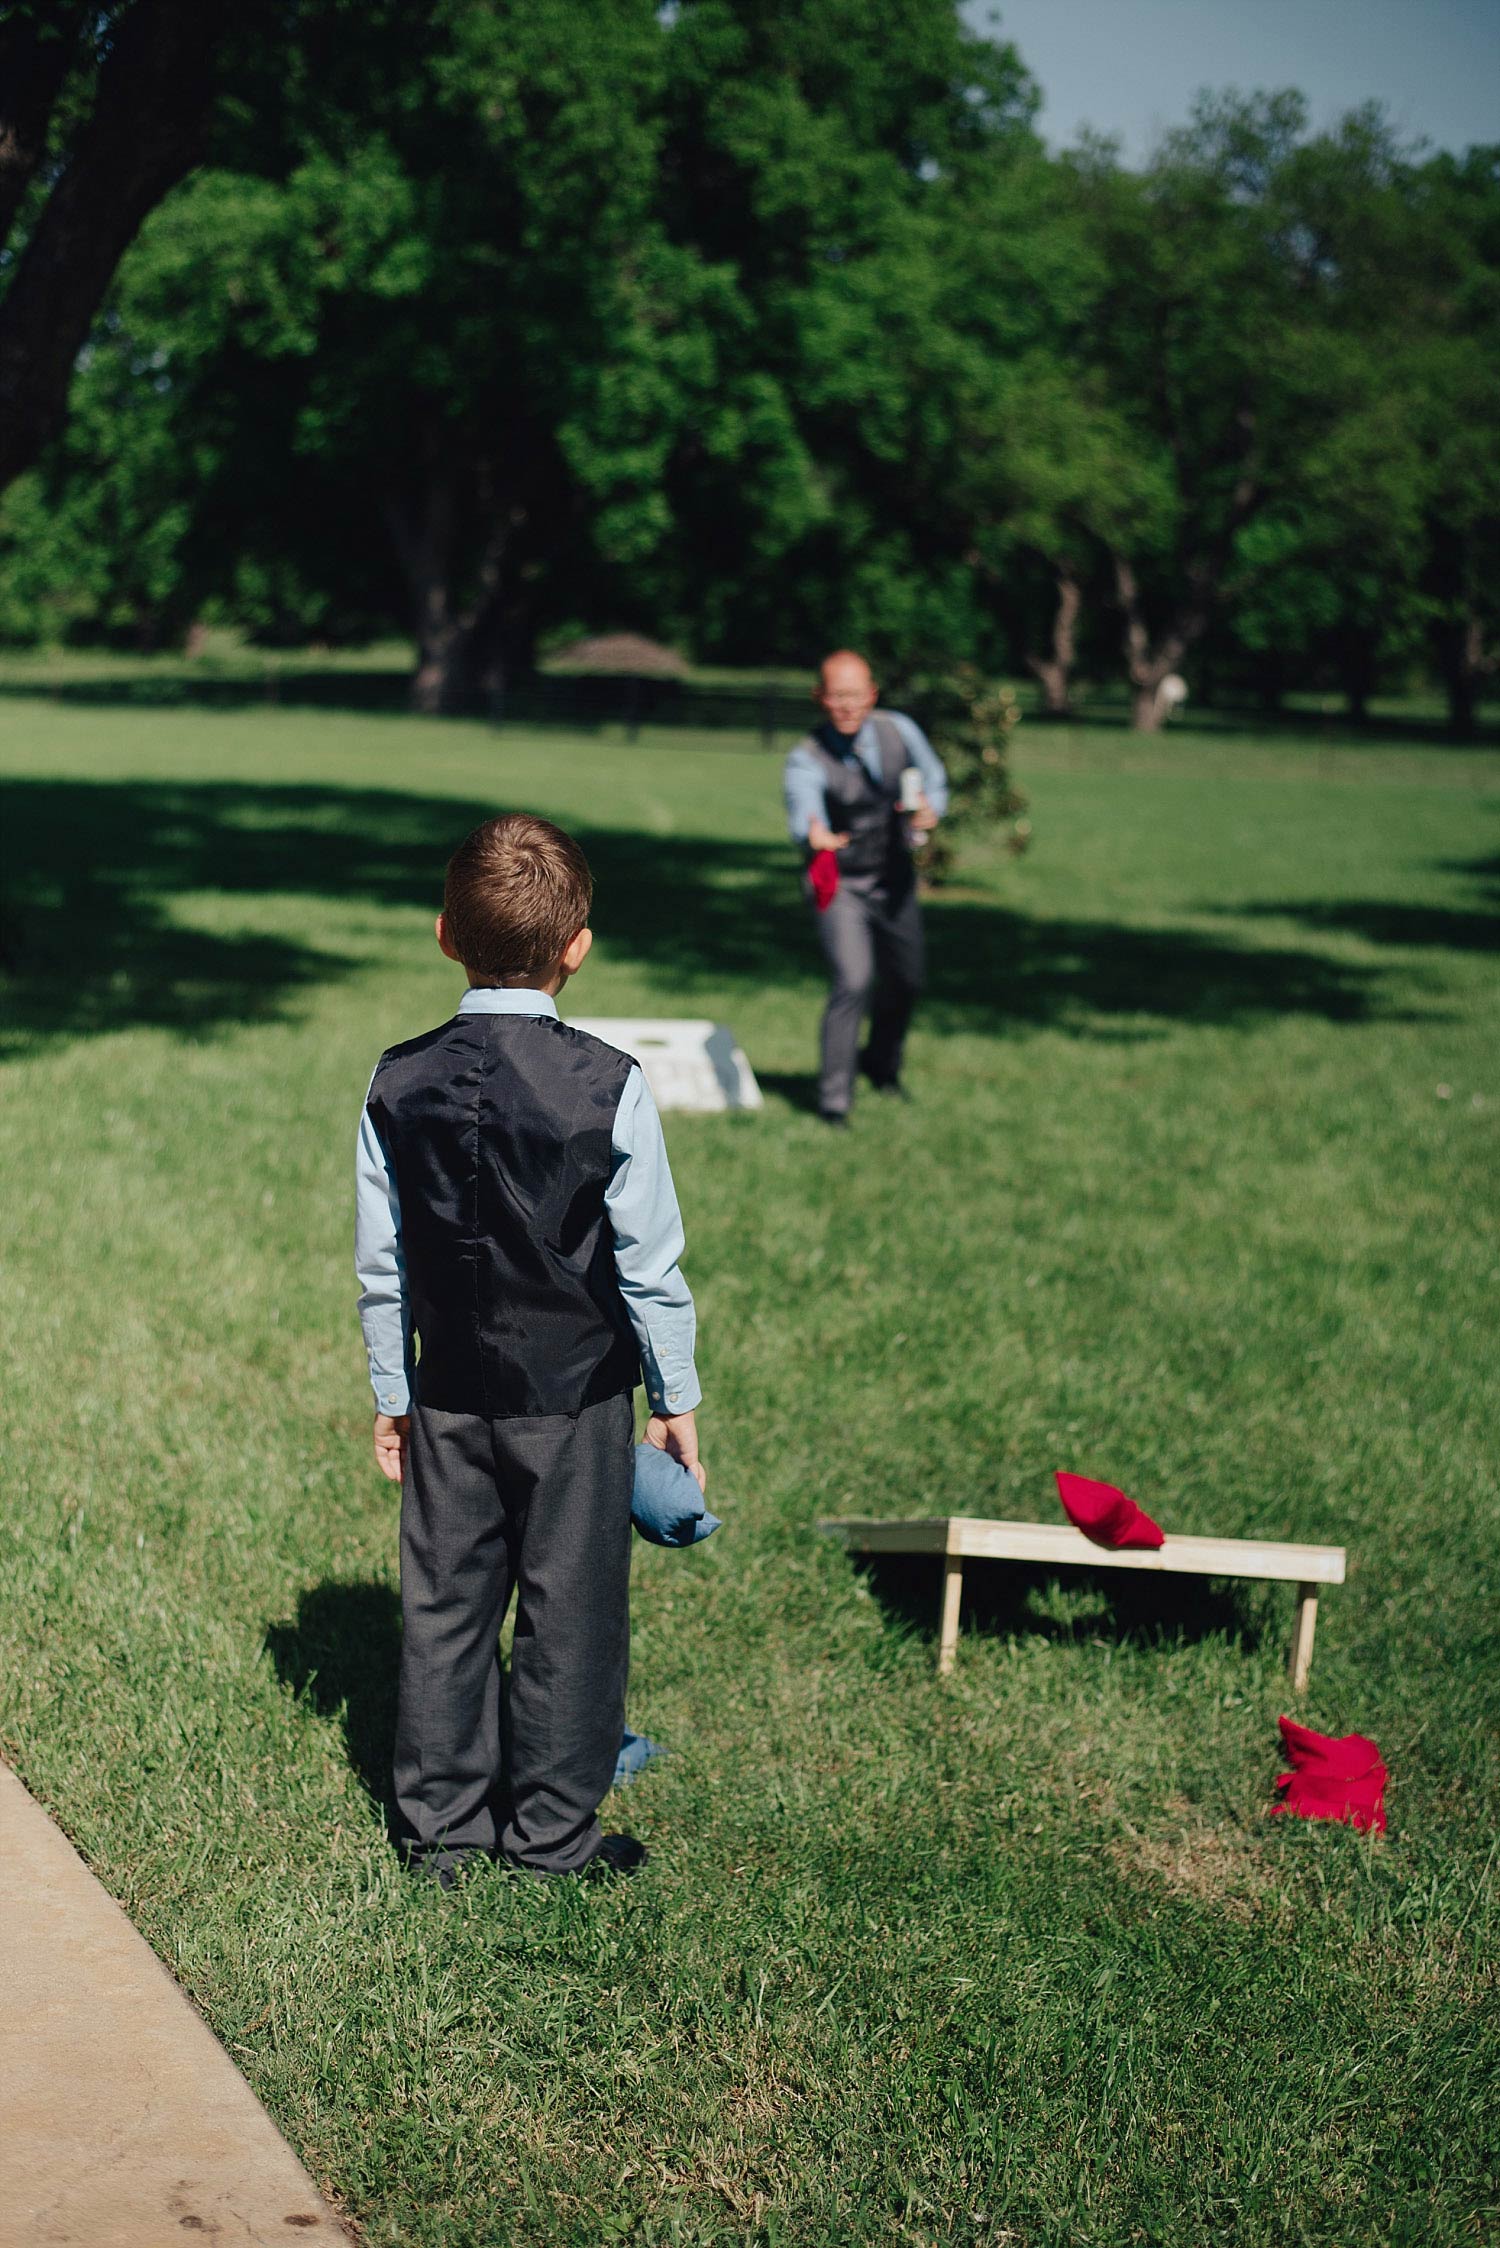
[837, 1117]
[445, 1869]
[617, 1854]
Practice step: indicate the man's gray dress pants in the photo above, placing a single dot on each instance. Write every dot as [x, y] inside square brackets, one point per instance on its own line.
[871, 936]
[541, 1506]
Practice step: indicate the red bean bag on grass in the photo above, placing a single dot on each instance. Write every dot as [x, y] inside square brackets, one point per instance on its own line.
[1331, 1778]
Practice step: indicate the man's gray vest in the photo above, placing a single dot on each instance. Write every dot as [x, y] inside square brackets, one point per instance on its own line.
[500, 1132]
[867, 810]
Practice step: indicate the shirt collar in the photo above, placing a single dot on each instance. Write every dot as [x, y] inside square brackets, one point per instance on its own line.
[843, 745]
[490, 999]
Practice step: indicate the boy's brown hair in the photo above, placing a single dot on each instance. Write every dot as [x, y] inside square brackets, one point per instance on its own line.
[517, 893]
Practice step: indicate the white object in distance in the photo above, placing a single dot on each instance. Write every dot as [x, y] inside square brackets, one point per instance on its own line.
[695, 1067]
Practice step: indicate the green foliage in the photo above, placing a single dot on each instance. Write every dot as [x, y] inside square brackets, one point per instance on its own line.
[761, 329]
[969, 720]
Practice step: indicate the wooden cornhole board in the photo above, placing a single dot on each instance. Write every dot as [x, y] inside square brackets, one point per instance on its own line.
[693, 1066]
[1051, 1545]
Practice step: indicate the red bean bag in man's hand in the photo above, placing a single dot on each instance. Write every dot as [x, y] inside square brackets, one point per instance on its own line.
[823, 875]
[1332, 1778]
[1105, 1514]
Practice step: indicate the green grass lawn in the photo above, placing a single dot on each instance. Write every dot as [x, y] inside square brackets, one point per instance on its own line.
[1197, 1194]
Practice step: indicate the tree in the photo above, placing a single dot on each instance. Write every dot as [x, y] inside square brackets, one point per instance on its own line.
[1302, 338]
[466, 235]
[1014, 276]
[445, 277]
[1382, 501]
[1331, 573]
[1190, 338]
[177, 489]
[1327, 577]
[818, 153]
[1454, 382]
[1058, 478]
[969, 720]
[759, 325]
[102, 111]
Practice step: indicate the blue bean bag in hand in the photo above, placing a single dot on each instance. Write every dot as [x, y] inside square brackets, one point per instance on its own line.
[668, 1506]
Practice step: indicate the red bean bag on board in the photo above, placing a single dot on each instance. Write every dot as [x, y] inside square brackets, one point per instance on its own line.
[1105, 1514]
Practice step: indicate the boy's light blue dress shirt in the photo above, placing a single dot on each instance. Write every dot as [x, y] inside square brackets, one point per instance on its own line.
[642, 1206]
[806, 799]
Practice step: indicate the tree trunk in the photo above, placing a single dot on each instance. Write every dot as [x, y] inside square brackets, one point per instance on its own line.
[437, 687]
[37, 51]
[1055, 671]
[1147, 666]
[1146, 712]
[146, 129]
[460, 665]
[1357, 674]
[1459, 646]
[1270, 685]
[460, 658]
[1202, 574]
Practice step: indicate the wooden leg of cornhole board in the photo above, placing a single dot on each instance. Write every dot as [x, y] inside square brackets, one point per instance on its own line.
[1299, 1662]
[953, 1585]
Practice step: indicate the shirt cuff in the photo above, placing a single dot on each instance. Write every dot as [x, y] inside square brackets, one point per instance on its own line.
[392, 1394]
[670, 1389]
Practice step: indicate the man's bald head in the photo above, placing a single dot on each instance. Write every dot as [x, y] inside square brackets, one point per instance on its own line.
[846, 689]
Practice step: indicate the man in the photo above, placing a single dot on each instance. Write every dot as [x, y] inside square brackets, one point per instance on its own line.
[845, 797]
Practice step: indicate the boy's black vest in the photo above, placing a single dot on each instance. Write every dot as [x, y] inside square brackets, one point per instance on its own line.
[866, 810]
[499, 1129]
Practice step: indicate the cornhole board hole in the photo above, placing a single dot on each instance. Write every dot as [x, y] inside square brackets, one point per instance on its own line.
[694, 1066]
[1053, 1545]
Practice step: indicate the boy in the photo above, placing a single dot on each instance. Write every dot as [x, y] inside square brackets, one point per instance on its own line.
[515, 1213]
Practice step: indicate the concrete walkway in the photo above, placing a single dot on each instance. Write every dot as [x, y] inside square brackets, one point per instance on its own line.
[123, 2122]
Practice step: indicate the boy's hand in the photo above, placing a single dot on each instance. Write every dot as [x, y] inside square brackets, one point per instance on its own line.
[821, 837]
[677, 1433]
[390, 1444]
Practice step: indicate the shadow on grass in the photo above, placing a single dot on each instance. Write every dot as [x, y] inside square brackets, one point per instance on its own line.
[97, 874]
[798, 1088]
[1413, 927]
[1004, 1599]
[164, 687]
[341, 1656]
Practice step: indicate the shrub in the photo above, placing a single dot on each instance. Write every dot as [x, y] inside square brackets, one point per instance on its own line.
[969, 720]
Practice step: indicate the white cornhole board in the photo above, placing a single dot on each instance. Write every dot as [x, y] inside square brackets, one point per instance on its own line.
[688, 1065]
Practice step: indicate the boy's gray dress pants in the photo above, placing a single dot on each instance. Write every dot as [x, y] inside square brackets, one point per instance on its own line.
[541, 1506]
[871, 936]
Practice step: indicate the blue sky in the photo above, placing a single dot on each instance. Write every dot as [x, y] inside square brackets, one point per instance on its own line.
[1130, 67]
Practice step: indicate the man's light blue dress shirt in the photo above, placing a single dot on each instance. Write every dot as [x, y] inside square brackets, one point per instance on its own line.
[642, 1206]
[804, 782]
